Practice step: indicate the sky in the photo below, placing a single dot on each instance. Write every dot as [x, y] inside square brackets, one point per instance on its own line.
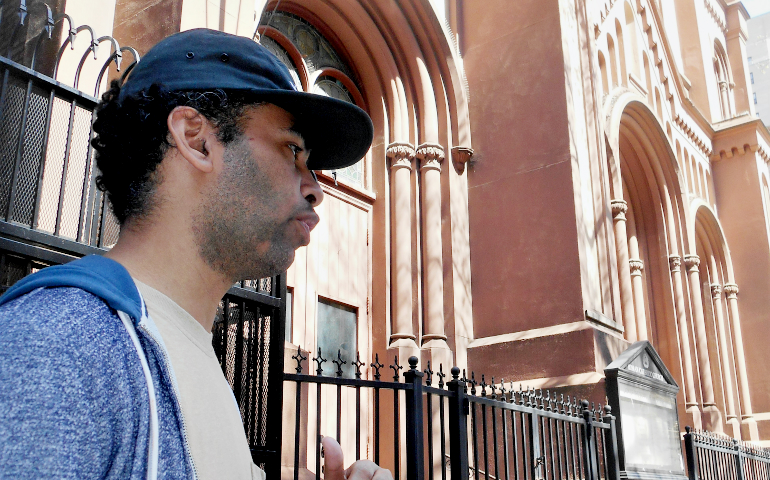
[757, 7]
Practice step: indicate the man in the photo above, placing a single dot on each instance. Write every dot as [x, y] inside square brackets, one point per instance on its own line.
[206, 154]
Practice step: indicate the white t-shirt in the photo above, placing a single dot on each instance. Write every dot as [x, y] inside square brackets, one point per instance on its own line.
[215, 431]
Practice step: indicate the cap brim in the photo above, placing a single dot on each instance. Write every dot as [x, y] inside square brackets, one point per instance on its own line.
[338, 133]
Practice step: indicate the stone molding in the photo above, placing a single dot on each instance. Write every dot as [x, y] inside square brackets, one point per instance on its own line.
[715, 15]
[637, 266]
[430, 155]
[460, 157]
[716, 290]
[619, 209]
[741, 150]
[692, 262]
[731, 290]
[702, 145]
[400, 155]
[674, 262]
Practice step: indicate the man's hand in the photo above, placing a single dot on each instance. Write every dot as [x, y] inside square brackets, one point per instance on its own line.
[334, 468]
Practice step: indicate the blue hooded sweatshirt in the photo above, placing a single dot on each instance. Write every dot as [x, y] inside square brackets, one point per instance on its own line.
[86, 388]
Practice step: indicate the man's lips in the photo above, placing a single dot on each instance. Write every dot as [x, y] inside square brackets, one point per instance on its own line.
[309, 221]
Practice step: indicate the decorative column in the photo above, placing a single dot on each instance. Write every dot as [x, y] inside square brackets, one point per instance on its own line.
[747, 414]
[402, 331]
[636, 266]
[619, 208]
[710, 411]
[691, 401]
[716, 298]
[637, 282]
[434, 337]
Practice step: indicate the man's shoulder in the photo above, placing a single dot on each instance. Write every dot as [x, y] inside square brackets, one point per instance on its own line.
[72, 385]
[55, 311]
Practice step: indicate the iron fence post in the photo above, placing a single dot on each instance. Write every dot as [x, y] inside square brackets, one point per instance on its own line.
[589, 443]
[537, 459]
[612, 449]
[459, 408]
[738, 460]
[689, 448]
[415, 456]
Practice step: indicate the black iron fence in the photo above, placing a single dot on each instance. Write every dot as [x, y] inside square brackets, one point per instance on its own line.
[248, 337]
[712, 456]
[426, 425]
[50, 209]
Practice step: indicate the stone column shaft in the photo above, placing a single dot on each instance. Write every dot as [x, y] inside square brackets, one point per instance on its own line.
[636, 266]
[747, 414]
[619, 208]
[401, 155]
[724, 351]
[701, 339]
[430, 157]
[684, 335]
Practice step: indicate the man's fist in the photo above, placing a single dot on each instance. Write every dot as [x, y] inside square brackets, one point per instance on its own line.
[334, 467]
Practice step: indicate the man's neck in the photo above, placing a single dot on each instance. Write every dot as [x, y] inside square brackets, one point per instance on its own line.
[171, 264]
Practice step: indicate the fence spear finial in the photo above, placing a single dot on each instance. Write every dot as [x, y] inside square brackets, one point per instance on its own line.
[377, 366]
[339, 362]
[358, 364]
[299, 358]
[319, 360]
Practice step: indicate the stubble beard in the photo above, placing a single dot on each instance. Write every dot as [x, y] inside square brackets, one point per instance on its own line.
[233, 228]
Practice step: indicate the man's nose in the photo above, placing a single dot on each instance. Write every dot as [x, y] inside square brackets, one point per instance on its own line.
[311, 189]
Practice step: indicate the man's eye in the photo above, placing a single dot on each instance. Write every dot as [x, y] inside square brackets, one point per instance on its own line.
[296, 150]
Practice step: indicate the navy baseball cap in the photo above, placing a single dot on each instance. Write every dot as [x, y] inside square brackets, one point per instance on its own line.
[338, 133]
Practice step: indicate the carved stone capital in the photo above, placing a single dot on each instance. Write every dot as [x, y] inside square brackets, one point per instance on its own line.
[731, 290]
[430, 155]
[461, 156]
[400, 155]
[716, 290]
[619, 209]
[636, 265]
[692, 262]
[674, 262]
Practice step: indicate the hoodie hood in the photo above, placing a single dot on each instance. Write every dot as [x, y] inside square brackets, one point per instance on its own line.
[105, 278]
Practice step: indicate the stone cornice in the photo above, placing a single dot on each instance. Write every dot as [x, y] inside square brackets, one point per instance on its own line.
[703, 145]
[715, 15]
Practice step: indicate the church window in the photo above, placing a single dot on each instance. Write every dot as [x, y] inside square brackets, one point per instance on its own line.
[315, 66]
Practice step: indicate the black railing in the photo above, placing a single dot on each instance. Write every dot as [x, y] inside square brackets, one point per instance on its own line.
[427, 428]
[711, 456]
[48, 198]
[248, 337]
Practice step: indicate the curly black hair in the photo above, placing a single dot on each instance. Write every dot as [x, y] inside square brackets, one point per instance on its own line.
[132, 139]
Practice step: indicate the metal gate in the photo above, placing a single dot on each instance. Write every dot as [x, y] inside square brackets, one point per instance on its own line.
[51, 211]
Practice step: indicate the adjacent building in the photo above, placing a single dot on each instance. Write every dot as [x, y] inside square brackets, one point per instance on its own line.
[758, 50]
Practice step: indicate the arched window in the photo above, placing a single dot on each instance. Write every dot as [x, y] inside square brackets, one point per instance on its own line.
[724, 84]
[315, 66]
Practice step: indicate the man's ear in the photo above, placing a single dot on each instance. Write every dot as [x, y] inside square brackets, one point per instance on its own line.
[189, 131]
